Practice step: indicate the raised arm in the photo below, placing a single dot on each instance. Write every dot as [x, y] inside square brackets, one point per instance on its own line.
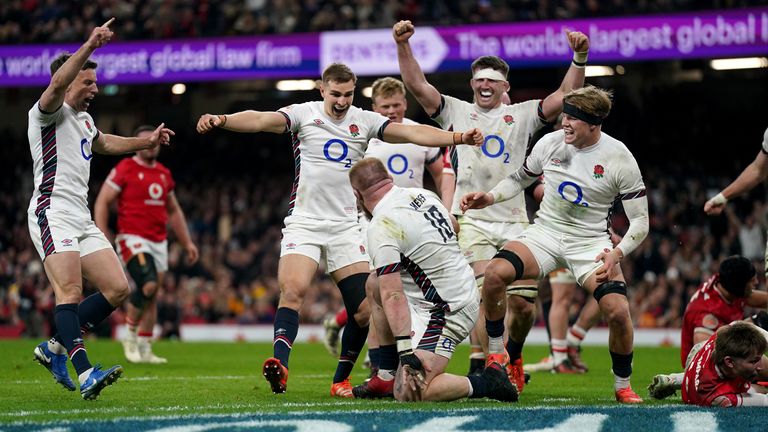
[53, 96]
[244, 121]
[115, 145]
[752, 175]
[552, 105]
[179, 226]
[413, 77]
[429, 136]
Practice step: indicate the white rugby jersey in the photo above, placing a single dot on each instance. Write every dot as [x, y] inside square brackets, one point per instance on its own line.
[324, 150]
[582, 184]
[411, 232]
[507, 130]
[405, 162]
[765, 141]
[60, 144]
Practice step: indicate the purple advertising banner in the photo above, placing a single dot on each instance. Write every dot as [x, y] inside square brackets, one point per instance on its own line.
[173, 60]
[726, 33]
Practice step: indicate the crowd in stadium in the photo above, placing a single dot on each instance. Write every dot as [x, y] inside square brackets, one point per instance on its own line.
[43, 21]
[236, 223]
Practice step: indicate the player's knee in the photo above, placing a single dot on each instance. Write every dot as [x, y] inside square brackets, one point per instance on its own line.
[291, 297]
[517, 270]
[495, 278]
[69, 293]
[610, 287]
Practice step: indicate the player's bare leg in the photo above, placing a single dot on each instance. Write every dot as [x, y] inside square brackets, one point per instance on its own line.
[381, 384]
[615, 308]
[503, 271]
[589, 316]
[521, 312]
[562, 293]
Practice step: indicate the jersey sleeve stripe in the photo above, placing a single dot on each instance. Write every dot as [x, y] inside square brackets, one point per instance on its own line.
[540, 112]
[529, 172]
[632, 195]
[387, 269]
[439, 108]
[114, 185]
[380, 133]
[46, 112]
[287, 121]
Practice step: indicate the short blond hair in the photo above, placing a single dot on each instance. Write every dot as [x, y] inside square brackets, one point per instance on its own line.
[386, 87]
[590, 99]
[338, 73]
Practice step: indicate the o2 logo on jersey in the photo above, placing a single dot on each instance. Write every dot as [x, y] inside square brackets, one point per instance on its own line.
[85, 149]
[572, 193]
[495, 152]
[332, 146]
[155, 191]
[392, 162]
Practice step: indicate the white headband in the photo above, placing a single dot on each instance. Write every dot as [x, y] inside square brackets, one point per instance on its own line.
[491, 74]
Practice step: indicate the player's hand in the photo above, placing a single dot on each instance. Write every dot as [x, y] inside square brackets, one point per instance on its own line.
[208, 122]
[402, 31]
[472, 137]
[414, 371]
[476, 200]
[714, 206]
[578, 41]
[101, 35]
[161, 136]
[610, 259]
[192, 253]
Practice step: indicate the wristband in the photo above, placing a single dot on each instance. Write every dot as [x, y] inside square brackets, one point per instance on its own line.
[454, 138]
[222, 120]
[580, 58]
[719, 199]
[404, 346]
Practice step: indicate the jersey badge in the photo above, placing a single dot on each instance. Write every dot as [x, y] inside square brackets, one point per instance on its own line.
[354, 130]
[362, 249]
[556, 162]
[66, 242]
[709, 321]
[599, 171]
[473, 116]
[141, 175]
[318, 122]
[508, 119]
[88, 126]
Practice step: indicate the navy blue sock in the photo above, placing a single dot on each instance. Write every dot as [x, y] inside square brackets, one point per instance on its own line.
[68, 324]
[494, 328]
[286, 328]
[352, 342]
[515, 349]
[375, 355]
[388, 358]
[479, 388]
[91, 312]
[621, 364]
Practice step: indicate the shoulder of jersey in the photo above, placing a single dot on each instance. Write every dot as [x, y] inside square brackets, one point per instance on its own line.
[408, 121]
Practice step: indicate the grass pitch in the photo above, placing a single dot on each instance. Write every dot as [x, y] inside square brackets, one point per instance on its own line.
[225, 378]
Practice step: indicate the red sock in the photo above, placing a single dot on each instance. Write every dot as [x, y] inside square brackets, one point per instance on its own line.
[341, 318]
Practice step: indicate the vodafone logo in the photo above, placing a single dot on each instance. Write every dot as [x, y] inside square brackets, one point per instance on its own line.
[155, 191]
